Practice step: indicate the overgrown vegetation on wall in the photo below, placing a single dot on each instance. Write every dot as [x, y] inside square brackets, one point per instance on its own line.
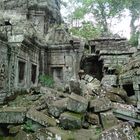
[46, 80]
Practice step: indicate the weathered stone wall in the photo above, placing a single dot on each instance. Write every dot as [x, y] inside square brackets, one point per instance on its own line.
[4, 88]
[24, 24]
[51, 8]
[64, 55]
[64, 61]
[29, 56]
[113, 51]
[131, 75]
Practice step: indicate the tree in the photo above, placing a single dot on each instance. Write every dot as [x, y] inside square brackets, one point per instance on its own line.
[134, 8]
[87, 31]
[102, 10]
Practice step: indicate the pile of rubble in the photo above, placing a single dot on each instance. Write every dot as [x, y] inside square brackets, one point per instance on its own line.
[84, 112]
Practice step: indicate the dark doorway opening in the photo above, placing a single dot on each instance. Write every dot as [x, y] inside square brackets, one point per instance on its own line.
[33, 74]
[21, 71]
[93, 67]
[93, 49]
[129, 89]
[57, 73]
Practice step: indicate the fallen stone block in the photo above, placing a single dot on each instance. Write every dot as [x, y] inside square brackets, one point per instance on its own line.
[77, 103]
[118, 91]
[125, 112]
[13, 115]
[88, 78]
[100, 104]
[132, 100]
[24, 136]
[75, 87]
[109, 80]
[60, 134]
[122, 131]
[108, 119]
[70, 120]
[40, 118]
[114, 97]
[94, 88]
[58, 107]
[93, 118]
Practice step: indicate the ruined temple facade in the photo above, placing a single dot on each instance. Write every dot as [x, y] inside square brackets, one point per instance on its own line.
[105, 57]
[64, 56]
[129, 79]
[29, 49]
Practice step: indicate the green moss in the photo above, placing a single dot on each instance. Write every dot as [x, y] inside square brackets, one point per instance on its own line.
[46, 80]
[6, 138]
[76, 115]
[137, 132]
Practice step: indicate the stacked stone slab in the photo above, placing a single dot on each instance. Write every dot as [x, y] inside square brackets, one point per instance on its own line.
[70, 117]
[130, 75]
[112, 50]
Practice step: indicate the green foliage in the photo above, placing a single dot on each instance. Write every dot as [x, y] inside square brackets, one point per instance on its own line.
[137, 133]
[87, 31]
[104, 11]
[98, 130]
[134, 40]
[28, 126]
[46, 80]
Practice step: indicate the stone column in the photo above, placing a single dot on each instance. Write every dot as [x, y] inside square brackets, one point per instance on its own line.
[41, 61]
[4, 86]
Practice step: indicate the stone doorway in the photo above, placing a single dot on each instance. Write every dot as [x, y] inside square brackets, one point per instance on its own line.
[33, 73]
[57, 73]
[21, 71]
[93, 67]
[129, 89]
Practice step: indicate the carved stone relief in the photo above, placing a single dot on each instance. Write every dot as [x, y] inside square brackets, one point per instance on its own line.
[3, 75]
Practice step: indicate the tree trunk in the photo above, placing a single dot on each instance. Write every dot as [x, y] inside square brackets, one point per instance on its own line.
[132, 23]
[104, 19]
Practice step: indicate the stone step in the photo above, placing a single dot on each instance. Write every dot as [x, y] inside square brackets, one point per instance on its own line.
[12, 115]
[40, 118]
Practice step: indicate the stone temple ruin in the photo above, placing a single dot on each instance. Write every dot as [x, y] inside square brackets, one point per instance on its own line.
[95, 94]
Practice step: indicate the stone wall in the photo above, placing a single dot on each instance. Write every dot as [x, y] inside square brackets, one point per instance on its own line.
[29, 57]
[4, 88]
[64, 55]
[63, 64]
[51, 8]
[131, 75]
[113, 51]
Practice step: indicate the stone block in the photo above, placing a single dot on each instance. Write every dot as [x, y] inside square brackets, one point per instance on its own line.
[77, 103]
[122, 131]
[58, 107]
[70, 120]
[40, 118]
[79, 134]
[108, 119]
[93, 118]
[12, 115]
[88, 78]
[109, 80]
[94, 87]
[22, 135]
[75, 86]
[118, 91]
[114, 97]
[100, 104]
